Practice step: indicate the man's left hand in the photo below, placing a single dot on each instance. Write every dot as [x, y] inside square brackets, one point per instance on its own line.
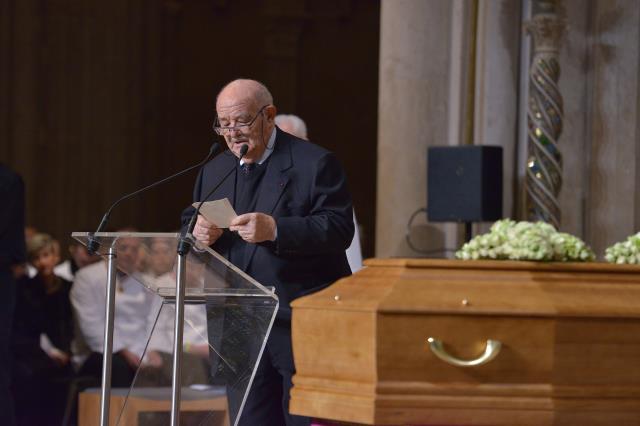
[254, 227]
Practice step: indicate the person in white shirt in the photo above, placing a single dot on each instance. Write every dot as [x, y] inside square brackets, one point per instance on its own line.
[131, 320]
[195, 364]
[161, 258]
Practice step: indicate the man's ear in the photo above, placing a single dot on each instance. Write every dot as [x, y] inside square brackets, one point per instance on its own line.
[271, 111]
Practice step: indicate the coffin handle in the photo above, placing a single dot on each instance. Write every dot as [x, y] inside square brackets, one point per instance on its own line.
[490, 352]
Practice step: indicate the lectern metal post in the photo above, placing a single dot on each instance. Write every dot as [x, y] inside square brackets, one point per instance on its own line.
[107, 346]
[177, 343]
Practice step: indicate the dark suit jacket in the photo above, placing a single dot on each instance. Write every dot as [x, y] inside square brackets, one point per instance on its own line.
[304, 189]
[37, 312]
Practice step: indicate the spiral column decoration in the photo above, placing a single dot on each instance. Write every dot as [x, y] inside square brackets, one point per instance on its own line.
[544, 117]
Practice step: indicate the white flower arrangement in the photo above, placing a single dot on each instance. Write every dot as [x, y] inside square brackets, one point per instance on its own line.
[537, 241]
[625, 251]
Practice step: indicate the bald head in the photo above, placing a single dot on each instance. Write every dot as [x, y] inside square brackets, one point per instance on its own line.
[246, 113]
[292, 124]
[249, 90]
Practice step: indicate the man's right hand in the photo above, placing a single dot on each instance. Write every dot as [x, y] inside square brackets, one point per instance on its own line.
[206, 232]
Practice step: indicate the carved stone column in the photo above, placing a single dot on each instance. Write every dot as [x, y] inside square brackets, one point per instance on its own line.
[544, 116]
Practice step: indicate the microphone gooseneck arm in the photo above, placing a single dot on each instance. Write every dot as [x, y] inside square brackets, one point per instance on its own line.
[184, 245]
[93, 245]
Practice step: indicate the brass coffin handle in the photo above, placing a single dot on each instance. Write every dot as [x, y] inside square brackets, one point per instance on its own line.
[491, 351]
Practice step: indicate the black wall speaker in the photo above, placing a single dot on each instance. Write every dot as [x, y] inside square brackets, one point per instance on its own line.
[464, 183]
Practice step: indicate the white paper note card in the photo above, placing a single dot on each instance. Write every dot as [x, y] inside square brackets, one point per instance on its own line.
[218, 212]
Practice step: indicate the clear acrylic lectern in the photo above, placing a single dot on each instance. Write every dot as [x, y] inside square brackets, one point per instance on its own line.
[199, 372]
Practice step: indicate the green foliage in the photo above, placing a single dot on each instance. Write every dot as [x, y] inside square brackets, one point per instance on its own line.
[537, 241]
[627, 251]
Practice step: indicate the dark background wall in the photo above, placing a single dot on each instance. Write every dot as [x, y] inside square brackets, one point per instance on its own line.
[100, 98]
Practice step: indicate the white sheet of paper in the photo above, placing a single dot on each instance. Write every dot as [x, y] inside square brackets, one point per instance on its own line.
[218, 212]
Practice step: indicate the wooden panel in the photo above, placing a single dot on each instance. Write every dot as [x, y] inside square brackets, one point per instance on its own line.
[593, 352]
[348, 338]
[99, 100]
[403, 353]
[501, 287]
[403, 409]
[89, 409]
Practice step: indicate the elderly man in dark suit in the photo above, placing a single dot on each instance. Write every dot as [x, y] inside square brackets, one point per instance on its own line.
[294, 224]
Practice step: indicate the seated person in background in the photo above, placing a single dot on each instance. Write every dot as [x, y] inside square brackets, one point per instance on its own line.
[161, 257]
[195, 362]
[29, 233]
[79, 258]
[42, 308]
[132, 311]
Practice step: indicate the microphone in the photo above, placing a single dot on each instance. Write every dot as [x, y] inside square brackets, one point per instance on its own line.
[93, 245]
[184, 246]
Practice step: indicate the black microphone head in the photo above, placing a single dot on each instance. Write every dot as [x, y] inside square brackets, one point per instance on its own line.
[93, 245]
[243, 150]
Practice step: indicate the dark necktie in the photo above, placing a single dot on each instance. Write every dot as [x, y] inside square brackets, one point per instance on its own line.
[247, 168]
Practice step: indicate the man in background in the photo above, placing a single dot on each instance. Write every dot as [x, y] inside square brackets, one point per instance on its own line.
[295, 126]
[12, 256]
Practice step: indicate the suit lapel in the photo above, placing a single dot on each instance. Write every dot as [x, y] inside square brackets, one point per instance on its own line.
[227, 188]
[273, 184]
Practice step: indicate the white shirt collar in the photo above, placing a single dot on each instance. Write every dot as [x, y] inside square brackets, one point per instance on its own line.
[269, 150]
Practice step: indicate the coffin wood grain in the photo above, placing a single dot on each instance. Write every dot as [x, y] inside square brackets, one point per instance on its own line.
[570, 334]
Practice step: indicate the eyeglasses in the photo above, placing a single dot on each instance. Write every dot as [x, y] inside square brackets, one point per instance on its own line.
[241, 127]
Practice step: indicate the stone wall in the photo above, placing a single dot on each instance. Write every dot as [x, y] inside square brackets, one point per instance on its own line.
[599, 80]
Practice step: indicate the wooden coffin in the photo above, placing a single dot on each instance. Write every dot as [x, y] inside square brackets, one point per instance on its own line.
[569, 334]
